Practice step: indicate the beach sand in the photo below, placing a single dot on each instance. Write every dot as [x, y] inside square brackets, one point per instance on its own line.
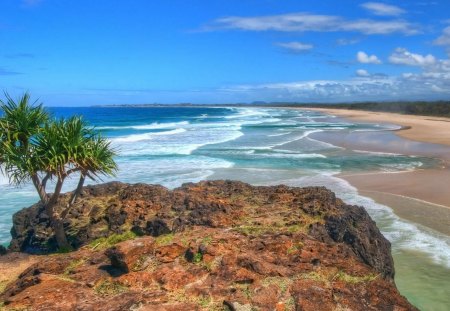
[418, 128]
[421, 196]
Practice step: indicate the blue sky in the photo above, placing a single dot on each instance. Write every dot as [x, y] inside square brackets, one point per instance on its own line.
[85, 52]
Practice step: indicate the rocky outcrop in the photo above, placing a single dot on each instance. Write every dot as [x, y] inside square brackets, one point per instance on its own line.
[216, 245]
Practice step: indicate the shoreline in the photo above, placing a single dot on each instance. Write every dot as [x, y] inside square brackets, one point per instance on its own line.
[411, 195]
[434, 130]
[421, 195]
[430, 215]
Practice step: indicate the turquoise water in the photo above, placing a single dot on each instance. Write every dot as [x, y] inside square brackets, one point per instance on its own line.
[171, 146]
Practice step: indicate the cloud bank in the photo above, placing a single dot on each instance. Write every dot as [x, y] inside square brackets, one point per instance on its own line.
[382, 9]
[304, 22]
[295, 47]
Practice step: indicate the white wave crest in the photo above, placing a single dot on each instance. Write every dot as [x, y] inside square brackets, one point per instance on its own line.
[179, 141]
[395, 167]
[280, 134]
[146, 136]
[378, 153]
[152, 126]
[171, 172]
[3, 179]
[294, 155]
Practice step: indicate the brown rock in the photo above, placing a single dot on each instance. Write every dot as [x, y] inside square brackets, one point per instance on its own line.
[130, 256]
[209, 245]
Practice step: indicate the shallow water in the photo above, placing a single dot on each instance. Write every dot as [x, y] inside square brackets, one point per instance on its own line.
[423, 282]
[171, 146]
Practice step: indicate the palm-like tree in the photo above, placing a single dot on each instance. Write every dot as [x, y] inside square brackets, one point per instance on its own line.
[98, 159]
[21, 121]
[36, 148]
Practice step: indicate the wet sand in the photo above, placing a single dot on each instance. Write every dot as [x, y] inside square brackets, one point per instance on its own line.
[421, 196]
[431, 185]
[418, 128]
[429, 215]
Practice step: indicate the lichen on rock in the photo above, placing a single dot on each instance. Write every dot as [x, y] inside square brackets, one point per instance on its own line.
[214, 245]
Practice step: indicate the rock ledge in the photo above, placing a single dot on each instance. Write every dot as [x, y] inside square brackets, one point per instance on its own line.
[214, 245]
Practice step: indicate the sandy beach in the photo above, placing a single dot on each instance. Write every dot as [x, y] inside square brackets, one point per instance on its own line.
[421, 196]
[427, 129]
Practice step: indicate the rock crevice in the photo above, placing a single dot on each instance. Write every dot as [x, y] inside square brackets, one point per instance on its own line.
[207, 246]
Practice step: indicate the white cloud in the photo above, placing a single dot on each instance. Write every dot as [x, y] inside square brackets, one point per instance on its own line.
[346, 41]
[402, 56]
[362, 73]
[432, 83]
[302, 22]
[382, 9]
[404, 87]
[364, 58]
[444, 39]
[296, 47]
[320, 90]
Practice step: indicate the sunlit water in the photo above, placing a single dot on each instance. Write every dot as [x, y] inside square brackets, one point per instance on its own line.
[171, 146]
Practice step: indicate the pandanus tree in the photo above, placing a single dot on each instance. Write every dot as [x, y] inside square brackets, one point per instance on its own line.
[39, 149]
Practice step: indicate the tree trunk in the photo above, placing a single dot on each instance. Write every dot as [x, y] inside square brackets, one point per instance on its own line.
[77, 191]
[60, 234]
[57, 222]
[40, 188]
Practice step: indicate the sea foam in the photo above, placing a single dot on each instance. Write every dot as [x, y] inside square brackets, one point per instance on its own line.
[401, 233]
[146, 136]
[152, 126]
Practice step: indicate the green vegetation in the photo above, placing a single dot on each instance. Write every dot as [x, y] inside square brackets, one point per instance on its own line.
[73, 265]
[438, 109]
[204, 301]
[296, 247]
[327, 277]
[34, 147]
[207, 240]
[245, 289]
[282, 283]
[342, 276]
[109, 288]
[425, 108]
[198, 257]
[165, 239]
[107, 242]
[3, 285]
[257, 229]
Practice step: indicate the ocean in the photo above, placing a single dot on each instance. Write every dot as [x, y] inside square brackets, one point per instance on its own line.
[175, 145]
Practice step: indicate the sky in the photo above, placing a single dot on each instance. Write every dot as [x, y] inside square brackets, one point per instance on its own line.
[84, 52]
